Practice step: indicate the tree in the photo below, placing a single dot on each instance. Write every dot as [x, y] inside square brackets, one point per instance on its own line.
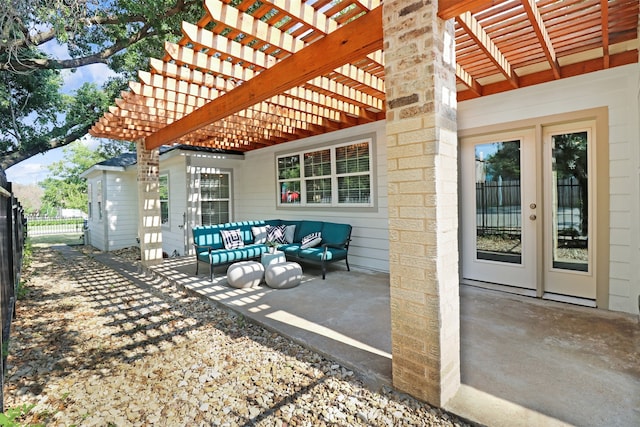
[65, 188]
[122, 34]
[30, 197]
[505, 162]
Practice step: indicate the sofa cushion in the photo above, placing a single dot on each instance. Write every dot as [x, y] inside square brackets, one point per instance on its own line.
[232, 239]
[311, 240]
[275, 233]
[306, 228]
[223, 256]
[335, 234]
[290, 249]
[259, 234]
[289, 233]
[316, 254]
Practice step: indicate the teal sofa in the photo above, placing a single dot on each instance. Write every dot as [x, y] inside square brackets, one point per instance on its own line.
[334, 244]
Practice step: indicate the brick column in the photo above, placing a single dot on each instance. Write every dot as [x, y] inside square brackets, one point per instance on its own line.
[149, 223]
[423, 199]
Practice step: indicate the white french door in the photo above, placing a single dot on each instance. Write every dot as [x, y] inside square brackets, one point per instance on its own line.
[499, 208]
[570, 238]
[527, 216]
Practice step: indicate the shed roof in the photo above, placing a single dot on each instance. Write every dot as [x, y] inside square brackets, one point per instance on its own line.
[254, 73]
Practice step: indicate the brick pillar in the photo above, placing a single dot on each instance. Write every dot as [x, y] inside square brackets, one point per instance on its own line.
[149, 223]
[423, 200]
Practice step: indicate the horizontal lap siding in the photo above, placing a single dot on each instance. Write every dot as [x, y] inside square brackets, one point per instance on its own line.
[256, 196]
[96, 227]
[121, 209]
[616, 89]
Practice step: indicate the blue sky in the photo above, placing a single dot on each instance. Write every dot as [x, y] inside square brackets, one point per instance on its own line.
[34, 169]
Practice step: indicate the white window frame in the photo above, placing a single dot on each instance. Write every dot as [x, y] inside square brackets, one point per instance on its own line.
[90, 201]
[99, 198]
[334, 177]
[229, 200]
[167, 223]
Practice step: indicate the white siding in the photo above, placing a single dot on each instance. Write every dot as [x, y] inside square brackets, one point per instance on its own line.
[618, 90]
[121, 209]
[95, 231]
[118, 227]
[256, 194]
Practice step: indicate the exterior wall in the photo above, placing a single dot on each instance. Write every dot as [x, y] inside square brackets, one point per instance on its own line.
[173, 233]
[118, 227]
[256, 194]
[120, 216]
[96, 229]
[617, 89]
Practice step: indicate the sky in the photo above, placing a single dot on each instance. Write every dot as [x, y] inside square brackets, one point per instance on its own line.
[35, 169]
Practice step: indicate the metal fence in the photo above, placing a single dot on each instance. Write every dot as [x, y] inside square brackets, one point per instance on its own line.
[45, 226]
[12, 237]
[498, 208]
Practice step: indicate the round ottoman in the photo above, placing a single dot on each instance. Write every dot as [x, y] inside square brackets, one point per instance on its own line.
[245, 274]
[283, 275]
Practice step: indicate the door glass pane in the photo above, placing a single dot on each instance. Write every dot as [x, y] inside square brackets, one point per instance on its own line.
[570, 201]
[498, 202]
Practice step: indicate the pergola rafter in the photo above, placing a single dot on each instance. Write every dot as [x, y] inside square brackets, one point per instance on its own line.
[249, 75]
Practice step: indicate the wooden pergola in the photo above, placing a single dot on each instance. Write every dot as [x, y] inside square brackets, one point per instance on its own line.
[253, 73]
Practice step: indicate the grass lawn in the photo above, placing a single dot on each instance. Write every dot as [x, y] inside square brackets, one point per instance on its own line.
[57, 239]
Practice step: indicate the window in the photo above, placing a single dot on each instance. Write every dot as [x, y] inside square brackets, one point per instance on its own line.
[99, 198]
[90, 199]
[334, 176]
[215, 198]
[164, 199]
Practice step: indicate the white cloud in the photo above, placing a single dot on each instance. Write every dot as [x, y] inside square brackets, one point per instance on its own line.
[99, 73]
[35, 168]
[27, 174]
[55, 49]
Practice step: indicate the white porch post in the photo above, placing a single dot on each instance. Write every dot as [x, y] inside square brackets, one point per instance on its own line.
[149, 223]
[423, 200]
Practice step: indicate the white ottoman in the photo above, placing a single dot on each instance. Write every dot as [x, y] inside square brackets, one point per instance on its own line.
[283, 275]
[245, 274]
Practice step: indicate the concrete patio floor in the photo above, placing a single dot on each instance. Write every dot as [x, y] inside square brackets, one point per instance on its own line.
[523, 361]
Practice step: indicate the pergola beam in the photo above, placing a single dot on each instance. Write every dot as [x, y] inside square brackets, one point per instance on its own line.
[604, 5]
[448, 9]
[540, 29]
[355, 40]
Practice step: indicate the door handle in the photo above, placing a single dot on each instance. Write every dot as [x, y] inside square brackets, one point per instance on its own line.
[532, 217]
[532, 206]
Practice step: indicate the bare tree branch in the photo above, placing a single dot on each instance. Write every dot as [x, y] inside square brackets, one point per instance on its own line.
[100, 57]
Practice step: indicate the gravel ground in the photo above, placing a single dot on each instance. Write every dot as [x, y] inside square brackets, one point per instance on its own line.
[91, 348]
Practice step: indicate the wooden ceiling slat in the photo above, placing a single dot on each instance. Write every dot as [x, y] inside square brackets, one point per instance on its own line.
[475, 31]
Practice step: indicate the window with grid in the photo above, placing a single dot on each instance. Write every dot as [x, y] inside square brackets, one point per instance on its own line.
[164, 199]
[340, 175]
[215, 198]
